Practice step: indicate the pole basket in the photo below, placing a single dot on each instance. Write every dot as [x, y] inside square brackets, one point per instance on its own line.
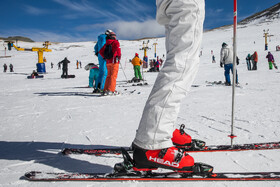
[232, 136]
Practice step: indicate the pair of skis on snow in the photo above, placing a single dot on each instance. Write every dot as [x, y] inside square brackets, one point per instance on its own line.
[159, 176]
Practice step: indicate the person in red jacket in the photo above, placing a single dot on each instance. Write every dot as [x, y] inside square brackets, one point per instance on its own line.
[111, 51]
[255, 60]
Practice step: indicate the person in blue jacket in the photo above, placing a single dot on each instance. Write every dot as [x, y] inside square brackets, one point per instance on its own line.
[102, 63]
[93, 75]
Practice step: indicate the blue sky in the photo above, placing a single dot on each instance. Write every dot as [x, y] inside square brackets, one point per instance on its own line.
[84, 20]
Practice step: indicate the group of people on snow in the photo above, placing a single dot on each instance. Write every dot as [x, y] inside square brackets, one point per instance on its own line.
[6, 68]
[78, 64]
[226, 61]
[253, 59]
[106, 74]
[108, 51]
[155, 64]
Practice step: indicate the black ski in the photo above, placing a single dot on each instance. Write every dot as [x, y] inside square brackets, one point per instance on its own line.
[125, 171]
[210, 148]
[138, 176]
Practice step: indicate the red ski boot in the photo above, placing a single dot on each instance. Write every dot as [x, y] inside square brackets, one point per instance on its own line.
[182, 140]
[169, 158]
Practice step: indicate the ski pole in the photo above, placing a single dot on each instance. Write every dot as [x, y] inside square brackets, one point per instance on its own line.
[143, 74]
[234, 69]
[123, 72]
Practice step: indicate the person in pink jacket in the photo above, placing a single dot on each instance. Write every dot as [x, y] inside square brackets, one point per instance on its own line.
[111, 51]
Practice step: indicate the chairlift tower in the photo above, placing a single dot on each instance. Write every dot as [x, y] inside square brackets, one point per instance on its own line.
[155, 44]
[145, 48]
[41, 68]
[265, 35]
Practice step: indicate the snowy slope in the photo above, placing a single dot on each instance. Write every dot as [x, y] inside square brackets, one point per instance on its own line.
[267, 15]
[40, 117]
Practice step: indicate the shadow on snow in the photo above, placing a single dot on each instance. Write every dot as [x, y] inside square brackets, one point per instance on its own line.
[83, 94]
[46, 153]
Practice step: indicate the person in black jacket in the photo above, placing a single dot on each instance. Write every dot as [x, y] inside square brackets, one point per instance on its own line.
[5, 67]
[11, 68]
[64, 67]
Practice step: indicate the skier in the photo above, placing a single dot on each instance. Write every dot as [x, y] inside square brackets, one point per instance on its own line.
[51, 65]
[58, 66]
[100, 82]
[64, 67]
[271, 62]
[34, 74]
[248, 60]
[153, 146]
[152, 63]
[11, 68]
[5, 67]
[157, 64]
[10, 45]
[111, 51]
[93, 75]
[255, 60]
[77, 64]
[137, 62]
[213, 59]
[226, 60]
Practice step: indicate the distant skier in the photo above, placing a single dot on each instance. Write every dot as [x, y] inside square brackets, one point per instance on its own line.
[100, 82]
[80, 64]
[248, 61]
[137, 62]
[51, 65]
[65, 63]
[111, 51]
[213, 59]
[58, 66]
[34, 74]
[77, 64]
[226, 60]
[11, 68]
[254, 58]
[152, 64]
[271, 61]
[5, 67]
[157, 64]
[10, 45]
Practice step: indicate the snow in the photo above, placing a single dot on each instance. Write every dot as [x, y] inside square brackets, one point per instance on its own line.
[39, 117]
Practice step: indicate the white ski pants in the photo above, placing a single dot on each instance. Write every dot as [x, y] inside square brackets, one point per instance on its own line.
[183, 20]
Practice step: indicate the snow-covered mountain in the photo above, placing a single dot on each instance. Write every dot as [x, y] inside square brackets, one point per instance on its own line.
[39, 117]
[267, 15]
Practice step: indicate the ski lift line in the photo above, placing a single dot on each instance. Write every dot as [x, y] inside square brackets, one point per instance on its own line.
[234, 69]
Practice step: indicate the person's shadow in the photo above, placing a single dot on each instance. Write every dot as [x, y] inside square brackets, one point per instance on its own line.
[47, 153]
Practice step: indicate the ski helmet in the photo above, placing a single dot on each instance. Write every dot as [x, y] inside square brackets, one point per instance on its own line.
[224, 44]
[108, 31]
